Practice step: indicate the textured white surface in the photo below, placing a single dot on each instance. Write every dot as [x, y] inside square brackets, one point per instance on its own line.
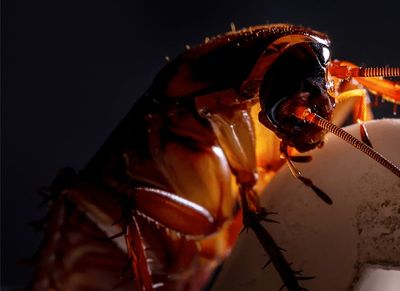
[334, 242]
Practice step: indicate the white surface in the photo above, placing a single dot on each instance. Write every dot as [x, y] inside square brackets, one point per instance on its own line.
[376, 278]
[334, 242]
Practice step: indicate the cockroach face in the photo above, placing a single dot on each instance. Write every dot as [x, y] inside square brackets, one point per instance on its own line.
[296, 78]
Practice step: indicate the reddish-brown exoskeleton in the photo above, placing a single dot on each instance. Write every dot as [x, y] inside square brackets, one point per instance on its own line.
[167, 193]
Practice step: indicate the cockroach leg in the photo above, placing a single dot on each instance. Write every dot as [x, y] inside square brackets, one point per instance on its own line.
[361, 111]
[135, 246]
[370, 78]
[300, 159]
[306, 181]
[165, 209]
[252, 220]
[119, 234]
[235, 133]
[364, 135]
[343, 74]
[136, 251]
[361, 115]
[126, 268]
[172, 212]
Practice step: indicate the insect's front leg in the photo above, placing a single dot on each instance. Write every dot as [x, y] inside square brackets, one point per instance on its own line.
[346, 80]
[361, 109]
[370, 78]
[234, 130]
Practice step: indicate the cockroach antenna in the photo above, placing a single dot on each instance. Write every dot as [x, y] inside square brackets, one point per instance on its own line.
[347, 72]
[304, 113]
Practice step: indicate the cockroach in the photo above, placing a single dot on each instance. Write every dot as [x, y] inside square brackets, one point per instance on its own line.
[170, 190]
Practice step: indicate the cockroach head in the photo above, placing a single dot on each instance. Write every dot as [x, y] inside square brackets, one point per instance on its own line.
[296, 79]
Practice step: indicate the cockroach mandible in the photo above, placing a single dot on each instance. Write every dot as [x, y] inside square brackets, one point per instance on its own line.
[162, 195]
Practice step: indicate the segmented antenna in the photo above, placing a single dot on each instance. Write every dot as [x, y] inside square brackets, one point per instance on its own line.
[305, 113]
[378, 72]
[346, 72]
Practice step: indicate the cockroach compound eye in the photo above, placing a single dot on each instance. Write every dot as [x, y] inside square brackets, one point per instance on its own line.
[170, 190]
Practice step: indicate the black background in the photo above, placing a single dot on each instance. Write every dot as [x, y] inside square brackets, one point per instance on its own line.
[72, 69]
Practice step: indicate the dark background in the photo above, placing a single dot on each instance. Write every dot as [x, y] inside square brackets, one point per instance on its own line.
[72, 69]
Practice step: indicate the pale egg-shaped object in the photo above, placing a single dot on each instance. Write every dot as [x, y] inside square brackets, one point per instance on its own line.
[335, 243]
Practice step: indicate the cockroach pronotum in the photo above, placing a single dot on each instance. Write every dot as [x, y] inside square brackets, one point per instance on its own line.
[162, 201]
